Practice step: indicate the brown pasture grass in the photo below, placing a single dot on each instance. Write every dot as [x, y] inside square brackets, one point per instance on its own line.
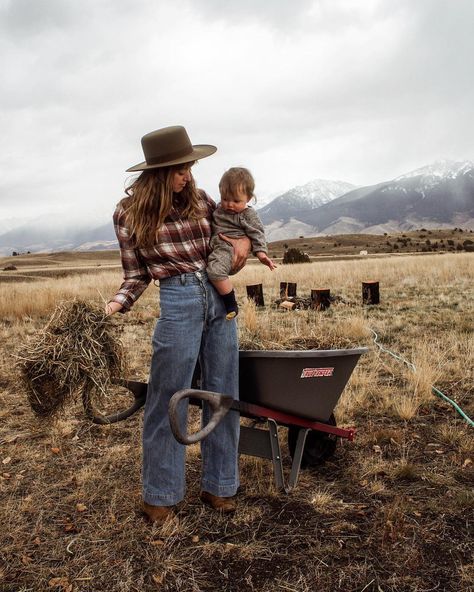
[391, 511]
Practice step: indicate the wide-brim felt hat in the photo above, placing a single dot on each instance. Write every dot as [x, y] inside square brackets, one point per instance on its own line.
[169, 146]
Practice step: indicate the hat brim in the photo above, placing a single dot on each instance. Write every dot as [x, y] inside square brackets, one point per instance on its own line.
[199, 151]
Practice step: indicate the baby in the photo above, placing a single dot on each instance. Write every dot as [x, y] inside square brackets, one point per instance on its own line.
[233, 217]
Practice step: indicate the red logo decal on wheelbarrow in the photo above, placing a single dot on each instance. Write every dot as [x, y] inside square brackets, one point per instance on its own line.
[314, 372]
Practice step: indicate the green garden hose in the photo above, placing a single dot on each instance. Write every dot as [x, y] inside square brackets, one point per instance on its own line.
[433, 389]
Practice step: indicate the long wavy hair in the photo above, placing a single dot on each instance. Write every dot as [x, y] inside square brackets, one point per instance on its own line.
[150, 199]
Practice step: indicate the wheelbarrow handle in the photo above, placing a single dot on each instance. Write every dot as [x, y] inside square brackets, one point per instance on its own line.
[220, 405]
[139, 391]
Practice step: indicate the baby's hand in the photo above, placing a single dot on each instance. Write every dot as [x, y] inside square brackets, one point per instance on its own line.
[265, 259]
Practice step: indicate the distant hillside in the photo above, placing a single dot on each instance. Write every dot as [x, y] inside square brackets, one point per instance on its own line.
[47, 234]
[323, 248]
[420, 241]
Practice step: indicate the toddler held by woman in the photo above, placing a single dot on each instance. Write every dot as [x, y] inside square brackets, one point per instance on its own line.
[233, 217]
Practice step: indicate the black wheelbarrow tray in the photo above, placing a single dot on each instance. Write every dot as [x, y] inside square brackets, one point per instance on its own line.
[294, 389]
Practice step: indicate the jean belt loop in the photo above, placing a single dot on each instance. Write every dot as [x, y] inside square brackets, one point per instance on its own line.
[182, 277]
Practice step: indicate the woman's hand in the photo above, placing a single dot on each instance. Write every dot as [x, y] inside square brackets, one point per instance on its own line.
[241, 246]
[112, 307]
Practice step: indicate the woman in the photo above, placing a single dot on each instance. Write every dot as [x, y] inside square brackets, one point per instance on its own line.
[163, 227]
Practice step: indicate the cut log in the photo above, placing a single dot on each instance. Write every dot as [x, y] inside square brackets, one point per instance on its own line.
[370, 293]
[320, 299]
[287, 290]
[255, 293]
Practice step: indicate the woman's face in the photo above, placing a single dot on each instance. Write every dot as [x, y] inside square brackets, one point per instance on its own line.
[180, 177]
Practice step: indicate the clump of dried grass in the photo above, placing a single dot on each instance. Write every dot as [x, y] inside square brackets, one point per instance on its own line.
[76, 351]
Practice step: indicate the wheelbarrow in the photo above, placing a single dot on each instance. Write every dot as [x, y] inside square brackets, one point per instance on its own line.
[297, 390]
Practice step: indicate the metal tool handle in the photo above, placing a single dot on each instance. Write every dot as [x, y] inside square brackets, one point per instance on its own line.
[139, 391]
[220, 405]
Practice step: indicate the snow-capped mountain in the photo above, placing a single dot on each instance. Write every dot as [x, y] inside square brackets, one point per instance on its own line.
[285, 215]
[305, 197]
[427, 177]
[431, 174]
[435, 196]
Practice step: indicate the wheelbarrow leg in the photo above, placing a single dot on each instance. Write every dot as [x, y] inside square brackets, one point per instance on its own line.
[276, 454]
[298, 455]
[266, 444]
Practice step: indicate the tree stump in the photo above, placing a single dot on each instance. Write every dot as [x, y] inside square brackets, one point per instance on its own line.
[287, 290]
[370, 293]
[255, 293]
[320, 299]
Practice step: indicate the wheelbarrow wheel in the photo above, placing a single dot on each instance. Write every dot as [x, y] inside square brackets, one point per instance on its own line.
[318, 447]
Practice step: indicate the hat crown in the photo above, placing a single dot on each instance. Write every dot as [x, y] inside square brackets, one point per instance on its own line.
[170, 146]
[165, 144]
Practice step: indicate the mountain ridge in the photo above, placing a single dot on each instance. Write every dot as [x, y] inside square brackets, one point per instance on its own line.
[437, 195]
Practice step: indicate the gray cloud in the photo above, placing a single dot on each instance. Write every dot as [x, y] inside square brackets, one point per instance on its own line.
[27, 18]
[280, 14]
[332, 88]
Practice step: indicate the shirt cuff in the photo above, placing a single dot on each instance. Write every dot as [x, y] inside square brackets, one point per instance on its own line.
[125, 301]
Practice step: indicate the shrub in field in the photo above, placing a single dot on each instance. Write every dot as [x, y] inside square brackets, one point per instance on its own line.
[468, 245]
[295, 256]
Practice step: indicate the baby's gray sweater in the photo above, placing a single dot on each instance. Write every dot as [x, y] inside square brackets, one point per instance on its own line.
[244, 223]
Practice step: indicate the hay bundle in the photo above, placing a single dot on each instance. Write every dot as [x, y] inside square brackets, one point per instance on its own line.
[76, 352]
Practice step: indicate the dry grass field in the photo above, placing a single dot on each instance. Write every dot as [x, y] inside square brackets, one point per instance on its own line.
[391, 511]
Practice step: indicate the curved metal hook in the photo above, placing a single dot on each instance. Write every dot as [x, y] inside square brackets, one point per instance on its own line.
[220, 405]
[139, 391]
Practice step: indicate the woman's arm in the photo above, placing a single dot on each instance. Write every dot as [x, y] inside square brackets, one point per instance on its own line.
[241, 246]
[135, 273]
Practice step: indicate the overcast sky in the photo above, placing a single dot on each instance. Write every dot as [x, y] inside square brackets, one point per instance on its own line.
[356, 90]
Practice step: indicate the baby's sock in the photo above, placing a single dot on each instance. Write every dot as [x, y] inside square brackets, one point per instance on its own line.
[230, 304]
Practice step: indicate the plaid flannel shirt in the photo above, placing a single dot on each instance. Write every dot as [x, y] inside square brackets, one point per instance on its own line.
[182, 246]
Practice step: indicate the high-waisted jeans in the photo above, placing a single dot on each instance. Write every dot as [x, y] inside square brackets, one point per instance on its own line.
[192, 326]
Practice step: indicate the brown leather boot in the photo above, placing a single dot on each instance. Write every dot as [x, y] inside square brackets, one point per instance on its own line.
[223, 504]
[157, 514]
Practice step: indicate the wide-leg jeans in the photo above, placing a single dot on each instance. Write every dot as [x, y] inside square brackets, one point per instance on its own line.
[191, 326]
